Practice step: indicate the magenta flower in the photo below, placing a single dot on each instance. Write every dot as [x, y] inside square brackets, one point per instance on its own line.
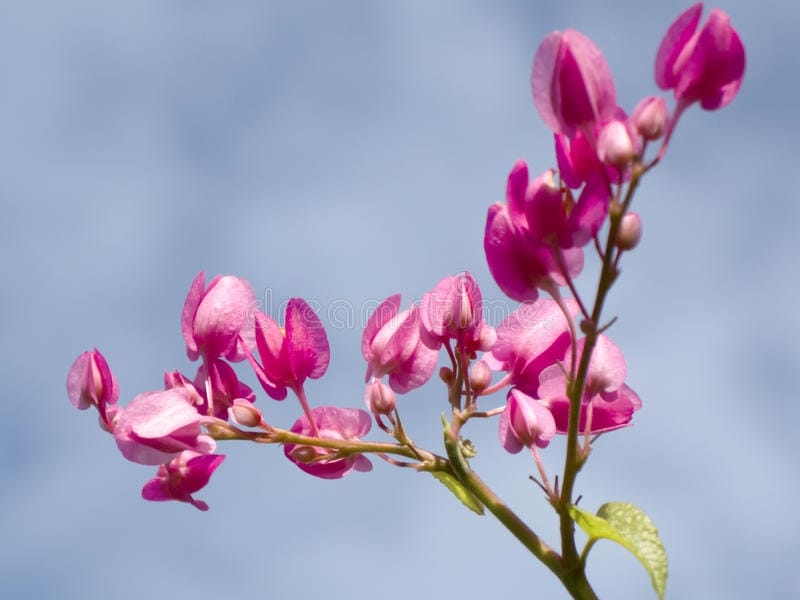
[290, 356]
[156, 426]
[572, 85]
[90, 382]
[225, 386]
[184, 475]
[392, 345]
[521, 237]
[607, 403]
[705, 65]
[529, 340]
[216, 377]
[454, 310]
[214, 320]
[334, 423]
[525, 422]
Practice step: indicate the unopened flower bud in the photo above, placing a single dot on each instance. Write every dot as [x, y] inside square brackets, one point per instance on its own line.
[304, 454]
[651, 117]
[614, 146]
[480, 376]
[630, 231]
[244, 413]
[446, 375]
[380, 398]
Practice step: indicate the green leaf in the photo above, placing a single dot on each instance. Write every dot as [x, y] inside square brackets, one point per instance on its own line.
[627, 525]
[452, 484]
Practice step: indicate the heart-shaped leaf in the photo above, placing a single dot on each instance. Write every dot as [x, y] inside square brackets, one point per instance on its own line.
[627, 525]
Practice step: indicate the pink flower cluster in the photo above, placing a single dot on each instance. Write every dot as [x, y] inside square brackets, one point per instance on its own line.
[534, 242]
[169, 427]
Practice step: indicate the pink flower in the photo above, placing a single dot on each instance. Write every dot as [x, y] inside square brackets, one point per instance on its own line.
[454, 310]
[224, 385]
[156, 426]
[705, 65]
[217, 378]
[525, 422]
[334, 423]
[184, 475]
[607, 403]
[529, 340]
[90, 382]
[392, 345]
[290, 356]
[572, 85]
[521, 237]
[214, 320]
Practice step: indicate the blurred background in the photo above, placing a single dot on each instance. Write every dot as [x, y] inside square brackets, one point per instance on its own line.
[344, 151]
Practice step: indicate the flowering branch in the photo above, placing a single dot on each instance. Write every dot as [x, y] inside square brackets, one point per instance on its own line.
[561, 373]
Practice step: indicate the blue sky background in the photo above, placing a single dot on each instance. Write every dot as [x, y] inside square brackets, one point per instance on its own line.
[343, 151]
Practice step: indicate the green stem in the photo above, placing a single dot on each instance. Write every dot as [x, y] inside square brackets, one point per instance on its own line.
[575, 458]
[429, 461]
[573, 579]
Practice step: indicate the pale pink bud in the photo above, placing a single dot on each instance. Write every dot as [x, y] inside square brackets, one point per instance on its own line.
[446, 374]
[614, 146]
[480, 376]
[380, 398]
[244, 413]
[630, 231]
[651, 117]
[525, 422]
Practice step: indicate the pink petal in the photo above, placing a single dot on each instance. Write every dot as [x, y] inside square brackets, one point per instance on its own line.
[382, 314]
[673, 43]
[505, 256]
[309, 353]
[189, 310]
[515, 192]
[416, 371]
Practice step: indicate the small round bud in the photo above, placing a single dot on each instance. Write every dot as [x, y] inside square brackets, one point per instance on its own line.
[244, 413]
[630, 231]
[651, 117]
[446, 375]
[379, 397]
[304, 454]
[480, 376]
[614, 145]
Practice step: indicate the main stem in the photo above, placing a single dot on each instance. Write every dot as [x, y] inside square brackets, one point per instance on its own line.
[575, 458]
[574, 580]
